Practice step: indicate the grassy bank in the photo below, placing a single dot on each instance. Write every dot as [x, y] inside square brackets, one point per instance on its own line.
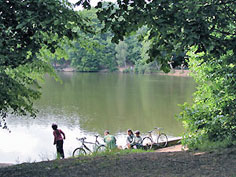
[149, 164]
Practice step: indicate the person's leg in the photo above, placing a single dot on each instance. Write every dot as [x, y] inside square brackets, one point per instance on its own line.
[60, 148]
[138, 146]
[129, 146]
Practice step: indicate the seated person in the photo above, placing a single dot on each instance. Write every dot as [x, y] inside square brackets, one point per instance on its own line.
[137, 139]
[130, 139]
[110, 140]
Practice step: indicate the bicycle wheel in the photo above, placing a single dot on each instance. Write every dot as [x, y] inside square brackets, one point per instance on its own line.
[79, 152]
[101, 148]
[147, 143]
[162, 140]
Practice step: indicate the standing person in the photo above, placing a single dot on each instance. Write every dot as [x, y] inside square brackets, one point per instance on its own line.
[110, 140]
[58, 140]
[130, 139]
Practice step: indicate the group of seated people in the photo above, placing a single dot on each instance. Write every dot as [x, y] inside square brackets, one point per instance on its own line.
[132, 140]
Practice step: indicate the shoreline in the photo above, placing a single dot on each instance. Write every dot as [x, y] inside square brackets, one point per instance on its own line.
[3, 165]
[174, 72]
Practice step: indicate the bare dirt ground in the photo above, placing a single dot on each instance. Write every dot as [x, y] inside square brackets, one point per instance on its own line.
[176, 148]
[2, 165]
[149, 164]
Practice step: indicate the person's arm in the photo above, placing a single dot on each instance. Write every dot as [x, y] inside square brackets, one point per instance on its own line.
[140, 140]
[132, 140]
[54, 142]
[104, 139]
[115, 139]
[64, 136]
[127, 140]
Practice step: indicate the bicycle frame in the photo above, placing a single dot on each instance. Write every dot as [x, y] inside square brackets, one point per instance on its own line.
[96, 143]
[150, 135]
[96, 140]
[158, 132]
[162, 139]
[84, 143]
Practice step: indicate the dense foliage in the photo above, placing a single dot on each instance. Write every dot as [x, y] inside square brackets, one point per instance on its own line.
[212, 117]
[206, 29]
[28, 30]
[98, 52]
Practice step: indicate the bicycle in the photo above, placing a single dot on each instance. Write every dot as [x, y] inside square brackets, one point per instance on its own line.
[161, 140]
[83, 149]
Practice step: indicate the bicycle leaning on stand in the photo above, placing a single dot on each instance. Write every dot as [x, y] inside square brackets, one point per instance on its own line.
[84, 149]
[161, 140]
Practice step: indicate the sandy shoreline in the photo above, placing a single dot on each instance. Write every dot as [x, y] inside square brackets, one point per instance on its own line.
[176, 148]
[2, 165]
[182, 73]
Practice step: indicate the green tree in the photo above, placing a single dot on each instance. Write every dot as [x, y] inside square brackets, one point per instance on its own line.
[121, 53]
[211, 120]
[98, 51]
[30, 31]
[134, 49]
[176, 27]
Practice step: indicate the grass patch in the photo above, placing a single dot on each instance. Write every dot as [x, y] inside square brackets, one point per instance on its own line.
[115, 152]
[121, 152]
[211, 146]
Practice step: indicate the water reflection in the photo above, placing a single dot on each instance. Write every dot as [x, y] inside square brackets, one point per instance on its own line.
[89, 103]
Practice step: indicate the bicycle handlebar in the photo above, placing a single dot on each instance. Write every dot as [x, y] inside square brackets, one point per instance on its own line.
[158, 128]
[155, 128]
[81, 139]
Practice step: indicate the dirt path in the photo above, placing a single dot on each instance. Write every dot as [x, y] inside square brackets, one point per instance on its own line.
[176, 148]
[149, 164]
[2, 165]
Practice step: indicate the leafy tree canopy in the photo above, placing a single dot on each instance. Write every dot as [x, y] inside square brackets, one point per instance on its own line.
[94, 52]
[29, 30]
[175, 26]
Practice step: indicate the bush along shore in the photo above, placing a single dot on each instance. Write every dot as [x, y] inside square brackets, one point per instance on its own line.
[133, 163]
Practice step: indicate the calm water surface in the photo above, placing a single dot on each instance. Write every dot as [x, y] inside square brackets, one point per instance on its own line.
[85, 104]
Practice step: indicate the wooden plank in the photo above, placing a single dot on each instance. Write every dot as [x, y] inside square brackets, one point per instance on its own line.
[174, 141]
[171, 142]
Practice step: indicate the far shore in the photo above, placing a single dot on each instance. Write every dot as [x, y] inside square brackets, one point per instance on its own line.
[174, 72]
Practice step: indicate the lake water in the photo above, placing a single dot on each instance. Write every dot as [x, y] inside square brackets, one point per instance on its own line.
[85, 104]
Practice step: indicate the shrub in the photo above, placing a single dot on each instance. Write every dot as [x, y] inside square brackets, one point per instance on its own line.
[211, 119]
